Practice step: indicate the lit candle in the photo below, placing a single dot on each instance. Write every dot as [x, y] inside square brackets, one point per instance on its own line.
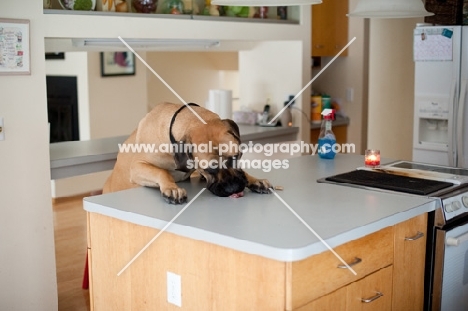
[372, 158]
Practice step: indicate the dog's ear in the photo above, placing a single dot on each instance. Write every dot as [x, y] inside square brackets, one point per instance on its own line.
[182, 154]
[234, 128]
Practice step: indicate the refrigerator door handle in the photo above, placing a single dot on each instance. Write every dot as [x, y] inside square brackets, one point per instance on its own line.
[452, 152]
[460, 124]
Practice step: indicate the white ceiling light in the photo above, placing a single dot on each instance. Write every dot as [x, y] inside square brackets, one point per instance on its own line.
[265, 2]
[390, 9]
[145, 43]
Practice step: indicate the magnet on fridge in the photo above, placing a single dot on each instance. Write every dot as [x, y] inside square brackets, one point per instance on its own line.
[447, 33]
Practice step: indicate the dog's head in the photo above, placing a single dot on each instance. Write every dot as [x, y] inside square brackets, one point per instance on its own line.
[215, 152]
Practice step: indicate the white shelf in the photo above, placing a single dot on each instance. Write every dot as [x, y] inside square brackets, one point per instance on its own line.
[94, 24]
[173, 16]
[234, 33]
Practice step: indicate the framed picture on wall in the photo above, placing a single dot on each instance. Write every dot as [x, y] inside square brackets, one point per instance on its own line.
[14, 47]
[117, 64]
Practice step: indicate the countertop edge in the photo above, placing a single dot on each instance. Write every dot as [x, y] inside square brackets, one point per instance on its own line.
[278, 254]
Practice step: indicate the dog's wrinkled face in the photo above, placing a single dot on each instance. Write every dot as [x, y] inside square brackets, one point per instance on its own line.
[218, 164]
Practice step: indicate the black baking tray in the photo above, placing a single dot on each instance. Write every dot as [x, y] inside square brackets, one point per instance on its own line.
[392, 182]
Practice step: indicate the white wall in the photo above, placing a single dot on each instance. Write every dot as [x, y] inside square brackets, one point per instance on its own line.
[349, 72]
[391, 87]
[27, 257]
[191, 75]
[116, 104]
[266, 75]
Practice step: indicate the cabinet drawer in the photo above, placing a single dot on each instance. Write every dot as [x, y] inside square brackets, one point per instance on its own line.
[320, 274]
[374, 292]
[333, 301]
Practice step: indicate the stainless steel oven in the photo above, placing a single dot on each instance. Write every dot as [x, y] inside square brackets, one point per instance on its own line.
[446, 278]
[447, 260]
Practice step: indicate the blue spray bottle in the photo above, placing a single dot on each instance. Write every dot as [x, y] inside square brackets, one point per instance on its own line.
[327, 139]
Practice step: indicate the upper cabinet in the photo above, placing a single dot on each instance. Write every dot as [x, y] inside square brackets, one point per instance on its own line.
[329, 27]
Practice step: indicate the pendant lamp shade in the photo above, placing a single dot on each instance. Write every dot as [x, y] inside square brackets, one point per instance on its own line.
[265, 2]
[390, 9]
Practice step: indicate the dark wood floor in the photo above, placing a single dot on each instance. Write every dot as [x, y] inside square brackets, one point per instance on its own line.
[70, 253]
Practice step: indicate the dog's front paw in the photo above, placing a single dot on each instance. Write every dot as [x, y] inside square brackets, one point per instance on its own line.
[174, 194]
[260, 186]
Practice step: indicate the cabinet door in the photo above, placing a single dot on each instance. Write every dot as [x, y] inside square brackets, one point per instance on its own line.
[373, 292]
[329, 27]
[409, 261]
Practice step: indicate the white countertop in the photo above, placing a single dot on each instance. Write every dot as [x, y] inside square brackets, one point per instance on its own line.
[73, 158]
[262, 224]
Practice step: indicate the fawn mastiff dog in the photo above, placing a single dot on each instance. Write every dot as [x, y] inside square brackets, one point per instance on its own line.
[176, 125]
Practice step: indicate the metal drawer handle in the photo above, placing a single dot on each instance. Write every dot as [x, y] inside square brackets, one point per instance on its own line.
[355, 262]
[377, 296]
[416, 237]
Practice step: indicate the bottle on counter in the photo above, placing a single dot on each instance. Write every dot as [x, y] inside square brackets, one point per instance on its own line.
[327, 139]
[282, 12]
[286, 116]
[326, 102]
[316, 108]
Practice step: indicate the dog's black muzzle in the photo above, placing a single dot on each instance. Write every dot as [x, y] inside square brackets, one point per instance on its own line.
[226, 182]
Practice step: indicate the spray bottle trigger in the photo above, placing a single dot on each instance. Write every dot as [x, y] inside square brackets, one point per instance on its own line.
[328, 114]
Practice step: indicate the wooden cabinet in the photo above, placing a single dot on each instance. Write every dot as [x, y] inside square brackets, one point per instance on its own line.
[389, 261]
[399, 285]
[329, 27]
[409, 256]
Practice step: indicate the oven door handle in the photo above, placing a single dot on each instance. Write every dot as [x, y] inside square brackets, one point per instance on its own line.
[451, 241]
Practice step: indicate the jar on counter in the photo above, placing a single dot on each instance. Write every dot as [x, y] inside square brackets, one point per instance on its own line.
[261, 12]
[282, 12]
[144, 6]
[173, 7]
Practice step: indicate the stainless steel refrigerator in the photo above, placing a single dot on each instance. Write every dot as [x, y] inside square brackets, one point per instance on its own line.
[440, 101]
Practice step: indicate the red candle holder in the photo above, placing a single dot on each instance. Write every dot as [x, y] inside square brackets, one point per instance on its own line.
[372, 158]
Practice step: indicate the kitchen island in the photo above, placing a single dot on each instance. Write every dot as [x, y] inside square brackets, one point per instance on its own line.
[253, 253]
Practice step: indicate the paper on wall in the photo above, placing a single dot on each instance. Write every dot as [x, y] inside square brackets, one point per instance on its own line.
[433, 44]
